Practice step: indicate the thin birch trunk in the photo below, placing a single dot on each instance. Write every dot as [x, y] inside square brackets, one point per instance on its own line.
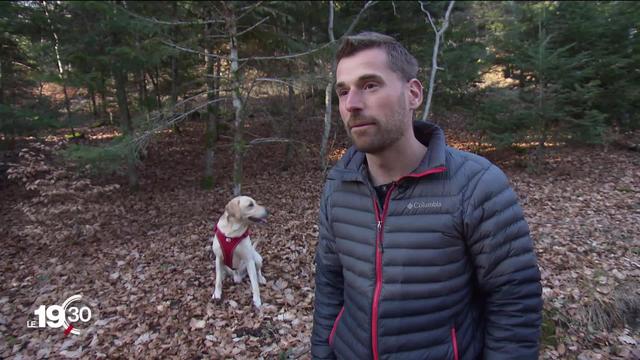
[328, 91]
[434, 58]
[94, 105]
[238, 141]
[174, 72]
[328, 95]
[157, 86]
[56, 47]
[211, 131]
[102, 90]
[2, 84]
[138, 81]
[288, 155]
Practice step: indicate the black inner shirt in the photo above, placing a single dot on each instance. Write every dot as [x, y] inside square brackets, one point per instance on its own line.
[382, 190]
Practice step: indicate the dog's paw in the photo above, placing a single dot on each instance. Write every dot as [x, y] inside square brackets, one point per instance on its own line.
[216, 296]
[257, 303]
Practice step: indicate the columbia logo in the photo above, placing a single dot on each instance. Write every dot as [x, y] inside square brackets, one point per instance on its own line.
[423, 204]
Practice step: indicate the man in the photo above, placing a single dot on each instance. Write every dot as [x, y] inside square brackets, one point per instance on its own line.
[423, 252]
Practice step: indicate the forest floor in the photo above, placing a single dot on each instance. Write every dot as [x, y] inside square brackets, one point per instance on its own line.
[143, 259]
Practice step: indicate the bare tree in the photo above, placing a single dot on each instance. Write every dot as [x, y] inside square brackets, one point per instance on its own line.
[213, 93]
[174, 66]
[56, 47]
[229, 13]
[238, 122]
[436, 48]
[328, 92]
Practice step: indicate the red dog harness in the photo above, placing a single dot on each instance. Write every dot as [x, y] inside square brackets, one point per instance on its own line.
[228, 245]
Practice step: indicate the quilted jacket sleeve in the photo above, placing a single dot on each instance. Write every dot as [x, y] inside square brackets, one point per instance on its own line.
[329, 286]
[508, 276]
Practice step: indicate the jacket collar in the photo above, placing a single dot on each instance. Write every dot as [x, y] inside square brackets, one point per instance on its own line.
[352, 166]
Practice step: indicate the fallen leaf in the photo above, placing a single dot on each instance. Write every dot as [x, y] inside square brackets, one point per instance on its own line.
[197, 324]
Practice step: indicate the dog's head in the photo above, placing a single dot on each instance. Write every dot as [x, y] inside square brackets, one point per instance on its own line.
[244, 208]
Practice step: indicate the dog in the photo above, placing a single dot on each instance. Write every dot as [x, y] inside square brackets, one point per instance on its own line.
[235, 253]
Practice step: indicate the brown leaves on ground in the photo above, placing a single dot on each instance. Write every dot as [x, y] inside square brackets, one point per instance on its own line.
[144, 259]
[584, 214]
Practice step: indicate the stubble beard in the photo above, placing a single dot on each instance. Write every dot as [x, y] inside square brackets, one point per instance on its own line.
[386, 133]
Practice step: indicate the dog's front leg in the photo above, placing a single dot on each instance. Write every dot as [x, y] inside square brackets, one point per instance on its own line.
[261, 278]
[253, 276]
[217, 292]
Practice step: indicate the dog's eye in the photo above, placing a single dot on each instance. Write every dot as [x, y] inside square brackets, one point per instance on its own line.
[251, 205]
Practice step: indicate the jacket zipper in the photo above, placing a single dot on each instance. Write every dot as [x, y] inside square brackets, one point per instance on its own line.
[380, 250]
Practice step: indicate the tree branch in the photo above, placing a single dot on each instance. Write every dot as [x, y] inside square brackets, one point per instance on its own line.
[162, 22]
[287, 56]
[278, 81]
[252, 27]
[168, 43]
[357, 19]
[249, 9]
[273, 140]
[141, 141]
[435, 29]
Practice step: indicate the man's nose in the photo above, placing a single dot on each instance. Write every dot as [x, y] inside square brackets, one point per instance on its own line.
[353, 101]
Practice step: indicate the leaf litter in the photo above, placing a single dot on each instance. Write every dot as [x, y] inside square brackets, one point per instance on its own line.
[145, 257]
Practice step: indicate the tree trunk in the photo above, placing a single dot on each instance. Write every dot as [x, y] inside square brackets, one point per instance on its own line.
[142, 92]
[174, 71]
[238, 141]
[328, 96]
[158, 94]
[156, 87]
[138, 81]
[102, 90]
[434, 58]
[328, 92]
[127, 126]
[2, 83]
[56, 47]
[288, 155]
[174, 82]
[94, 105]
[211, 130]
[174, 62]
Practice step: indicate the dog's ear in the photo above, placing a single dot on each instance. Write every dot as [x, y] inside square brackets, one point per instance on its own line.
[233, 208]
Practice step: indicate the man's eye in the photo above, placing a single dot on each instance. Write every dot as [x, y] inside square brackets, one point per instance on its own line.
[342, 92]
[369, 86]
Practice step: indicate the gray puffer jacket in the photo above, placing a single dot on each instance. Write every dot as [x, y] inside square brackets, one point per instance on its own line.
[445, 270]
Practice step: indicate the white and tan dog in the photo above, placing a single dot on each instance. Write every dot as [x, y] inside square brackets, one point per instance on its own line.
[232, 246]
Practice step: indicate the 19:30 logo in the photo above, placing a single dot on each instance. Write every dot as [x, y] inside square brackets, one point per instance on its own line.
[71, 318]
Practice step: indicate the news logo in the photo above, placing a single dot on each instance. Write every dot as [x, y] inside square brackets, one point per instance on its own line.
[73, 315]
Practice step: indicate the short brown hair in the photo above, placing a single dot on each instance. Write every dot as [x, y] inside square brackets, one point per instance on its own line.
[398, 57]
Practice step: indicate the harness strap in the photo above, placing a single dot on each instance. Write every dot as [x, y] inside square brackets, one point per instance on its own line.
[228, 245]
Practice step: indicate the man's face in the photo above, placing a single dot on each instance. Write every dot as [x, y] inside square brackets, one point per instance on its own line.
[376, 104]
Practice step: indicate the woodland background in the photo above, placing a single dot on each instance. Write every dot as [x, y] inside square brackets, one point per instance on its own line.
[125, 127]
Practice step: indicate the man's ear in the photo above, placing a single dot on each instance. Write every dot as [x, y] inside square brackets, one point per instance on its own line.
[415, 94]
[233, 208]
